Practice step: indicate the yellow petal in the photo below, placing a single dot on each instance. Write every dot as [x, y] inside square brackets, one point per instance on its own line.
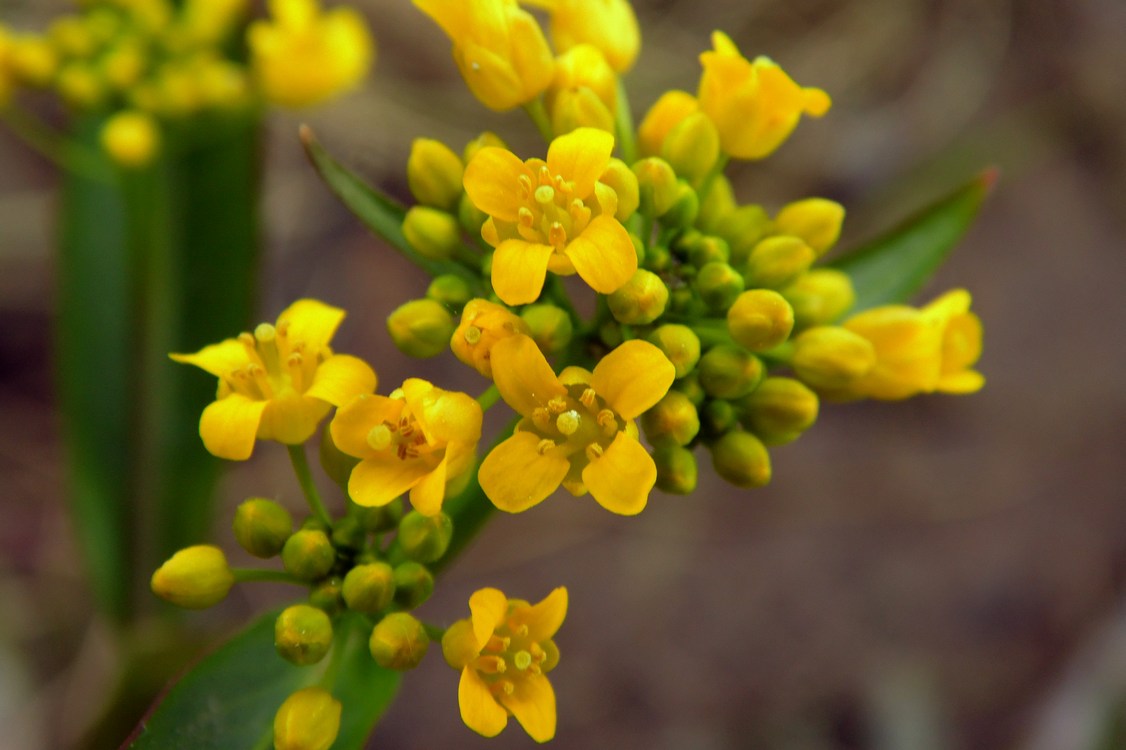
[533, 705]
[603, 255]
[479, 710]
[519, 270]
[522, 375]
[581, 157]
[633, 377]
[291, 419]
[516, 476]
[488, 607]
[816, 102]
[490, 76]
[966, 381]
[428, 494]
[451, 15]
[229, 426]
[312, 322]
[621, 478]
[355, 419]
[459, 644]
[383, 477]
[217, 359]
[340, 378]
[544, 618]
[492, 180]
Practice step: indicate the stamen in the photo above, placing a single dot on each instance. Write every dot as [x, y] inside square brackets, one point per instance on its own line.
[557, 405]
[588, 398]
[541, 417]
[557, 236]
[504, 686]
[295, 363]
[608, 422]
[594, 451]
[491, 664]
[568, 422]
[261, 380]
[544, 446]
[525, 217]
[497, 644]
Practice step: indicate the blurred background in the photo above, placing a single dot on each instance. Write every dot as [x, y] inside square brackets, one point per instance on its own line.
[940, 573]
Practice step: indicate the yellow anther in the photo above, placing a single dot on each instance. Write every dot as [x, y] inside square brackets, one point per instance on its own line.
[608, 422]
[545, 176]
[296, 364]
[544, 446]
[545, 195]
[525, 185]
[522, 660]
[541, 417]
[588, 398]
[525, 217]
[491, 664]
[537, 652]
[506, 686]
[497, 643]
[568, 422]
[557, 405]
[472, 335]
[557, 235]
[594, 451]
[248, 341]
[522, 631]
[379, 437]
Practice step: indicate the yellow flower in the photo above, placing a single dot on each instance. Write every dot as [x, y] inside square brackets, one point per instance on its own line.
[131, 138]
[961, 342]
[277, 383]
[498, 47]
[754, 105]
[609, 25]
[504, 651]
[484, 323]
[419, 439]
[671, 109]
[552, 215]
[579, 428]
[584, 92]
[303, 56]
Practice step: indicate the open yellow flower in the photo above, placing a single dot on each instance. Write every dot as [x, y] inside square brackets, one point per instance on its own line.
[418, 439]
[484, 323]
[609, 25]
[961, 342]
[579, 428]
[504, 651]
[279, 382]
[302, 56]
[551, 215]
[754, 105]
[498, 47]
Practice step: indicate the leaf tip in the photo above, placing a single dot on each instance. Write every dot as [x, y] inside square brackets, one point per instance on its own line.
[305, 133]
[988, 179]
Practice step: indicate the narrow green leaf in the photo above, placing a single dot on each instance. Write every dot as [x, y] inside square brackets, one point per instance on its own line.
[894, 266]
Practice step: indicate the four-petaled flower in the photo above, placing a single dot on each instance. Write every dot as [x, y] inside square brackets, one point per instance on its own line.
[279, 382]
[418, 439]
[551, 215]
[579, 428]
[504, 651]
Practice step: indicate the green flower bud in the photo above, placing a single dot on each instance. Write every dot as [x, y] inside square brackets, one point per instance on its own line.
[715, 205]
[470, 217]
[435, 234]
[194, 578]
[777, 261]
[831, 357]
[302, 634]
[398, 641]
[550, 327]
[779, 410]
[685, 206]
[741, 459]
[717, 417]
[434, 174]
[676, 468]
[623, 181]
[658, 258]
[641, 300]
[743, 228]
[421, 328]
[579, 107]
[656, 183]
[674, 416]
[680, 344]
[450, 291]
[692, 147]
[760, 319]
[820, 297]
[414, 583]
[728, 371]
[369, 588]
[309, 719]
[347, 533]
[335, 462]
[610, 334]
[702, 249]
[816, 220]
[424, 539]
[308, 554]
[690, 387]
[262, 526]
[719, 285]
[328, 595]
[487, 139]
[378, 519]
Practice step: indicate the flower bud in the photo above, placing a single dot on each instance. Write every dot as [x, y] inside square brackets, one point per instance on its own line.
[424, 539]
[702, 249]
[641, 300]
[715, 204]
[584, 91]
[308, 554]
[815, 220]
[742, 228]
[309, 719]
[656, 184]
[434, 174]
[550, 326]
[621, 179]
[728, 371]
[777, 261]
[32, 60]
[676, 468]
[717, 418]
[831, 357]
[487, 139]
[261, 527]
[719, 285]
[820, 297]
[741, 459]
[369, 588]
[421, 328]
[130, 138]
[348, 534]
[450, 291]
[398, 641]
[328, 595]
[779, 410]
[674, 417]
[760, 319]
[484, 323]
[470, 217]
[414, 583]
[302, 634]
[378, 519]
[579, 108]
[692, 147]
[609, 25]
[335, 462]
[434, 233]
[671, 109]
[194, 578]
[685, 206]
[679, 344]
[690, 387]
[658, 258]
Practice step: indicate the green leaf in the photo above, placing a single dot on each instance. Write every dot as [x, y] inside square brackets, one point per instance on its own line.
[229, 699]
[895, 265]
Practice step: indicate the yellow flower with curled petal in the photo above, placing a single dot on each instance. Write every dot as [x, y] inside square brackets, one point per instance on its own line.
[279, 382]
[504, 651]
[499, 48]
[961, 342]
[671, 109]
[484, 323]
[302, 56]
[754, 105]
[609, 25]
[418, 439]
[551, 215]
[579, 429]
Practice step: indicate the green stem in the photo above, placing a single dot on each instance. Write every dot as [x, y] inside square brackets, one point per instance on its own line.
[709, 178]
[336, 658]
[489, 397]
[247, 575]
[538, 113]
[623, 126]
[434, 632]
[560, 297]
[65, 154]
[305, 479]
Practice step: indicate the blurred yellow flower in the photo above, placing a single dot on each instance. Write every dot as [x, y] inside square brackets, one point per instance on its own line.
[279, 382]
[504, 651]
[579, 428]
[609, 25]
[131, 138]
[554, 215]
[961, 342]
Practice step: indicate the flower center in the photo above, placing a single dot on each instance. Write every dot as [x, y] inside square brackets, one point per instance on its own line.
[549, 214]
[508, 656]
[277, 364]
[405, 438]
[580, 422]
